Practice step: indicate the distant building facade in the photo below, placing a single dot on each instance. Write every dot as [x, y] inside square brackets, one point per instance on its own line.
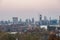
[15, 20]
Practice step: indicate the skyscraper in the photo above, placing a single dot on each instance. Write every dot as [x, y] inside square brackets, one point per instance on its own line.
[33, 20]
[49, 21]
[20, 20]
[45, 20]
[59, 20]
[40, 19]
[27, 21]
[15, 20]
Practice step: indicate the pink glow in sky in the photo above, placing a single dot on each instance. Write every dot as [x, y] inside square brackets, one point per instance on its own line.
[29, 8]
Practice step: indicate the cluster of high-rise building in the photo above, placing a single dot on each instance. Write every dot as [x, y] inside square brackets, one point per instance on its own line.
[41, 21]
[20, 25]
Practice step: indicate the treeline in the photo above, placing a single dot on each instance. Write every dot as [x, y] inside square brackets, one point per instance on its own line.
[36, 34]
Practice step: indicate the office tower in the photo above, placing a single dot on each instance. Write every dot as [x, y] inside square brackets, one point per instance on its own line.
[33, 20]
[20, 21]
[53, 22]
[6, 22]
[9, 22]
[49, 21]
[59, 20]
[45, 20]
[40, 19]
[27, 21]
[2, 22]
[15, 20]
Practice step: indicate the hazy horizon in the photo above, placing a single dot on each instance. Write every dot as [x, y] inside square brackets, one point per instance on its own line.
[29, 9]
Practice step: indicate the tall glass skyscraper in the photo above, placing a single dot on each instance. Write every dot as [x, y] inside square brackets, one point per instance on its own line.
[15, 20]
[40, 19]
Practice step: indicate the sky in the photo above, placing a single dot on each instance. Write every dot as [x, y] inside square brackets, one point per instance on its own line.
[29, 9]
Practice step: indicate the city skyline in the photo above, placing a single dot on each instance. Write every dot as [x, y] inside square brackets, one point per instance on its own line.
[29, 17]
[40, 18]
[29, 9]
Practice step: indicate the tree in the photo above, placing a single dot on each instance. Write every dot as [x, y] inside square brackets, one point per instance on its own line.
[6, 36]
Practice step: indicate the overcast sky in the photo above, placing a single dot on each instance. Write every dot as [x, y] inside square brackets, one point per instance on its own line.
[29, 8]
